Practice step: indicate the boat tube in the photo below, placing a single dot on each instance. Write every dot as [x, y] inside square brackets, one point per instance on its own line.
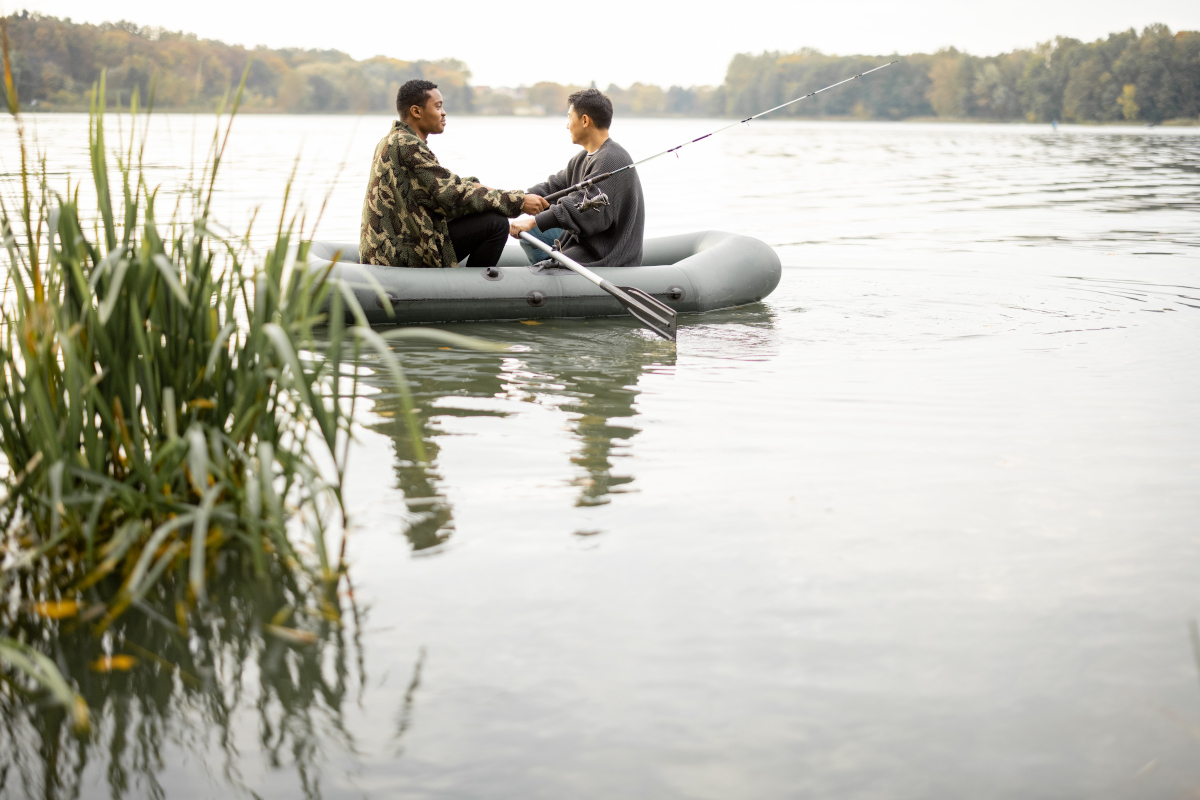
[690, 272]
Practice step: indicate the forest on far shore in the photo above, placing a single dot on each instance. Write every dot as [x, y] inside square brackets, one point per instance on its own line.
[1152, 76]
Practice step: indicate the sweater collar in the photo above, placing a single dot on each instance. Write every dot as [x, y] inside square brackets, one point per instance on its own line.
[598, 149]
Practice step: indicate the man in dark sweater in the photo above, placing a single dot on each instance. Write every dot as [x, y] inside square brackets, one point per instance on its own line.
[605, 236]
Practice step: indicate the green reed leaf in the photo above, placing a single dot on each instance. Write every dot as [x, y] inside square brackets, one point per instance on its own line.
[199, 541]
[197, 459]
[168, 411]
[170, 274]
[113, 292]
[41, 669]
[377, 343]
[134, 582]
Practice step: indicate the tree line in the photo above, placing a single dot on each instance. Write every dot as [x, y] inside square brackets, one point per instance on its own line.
[55, 63]
[1151, 76]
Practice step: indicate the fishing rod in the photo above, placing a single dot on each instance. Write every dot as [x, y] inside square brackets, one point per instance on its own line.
[645, 308]
[602, 199]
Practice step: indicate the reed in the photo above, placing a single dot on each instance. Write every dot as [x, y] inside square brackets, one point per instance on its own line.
[164, 415]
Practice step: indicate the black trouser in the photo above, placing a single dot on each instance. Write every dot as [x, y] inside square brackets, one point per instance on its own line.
[480, 236]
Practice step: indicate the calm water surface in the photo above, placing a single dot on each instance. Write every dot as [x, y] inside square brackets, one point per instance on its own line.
[924, 523]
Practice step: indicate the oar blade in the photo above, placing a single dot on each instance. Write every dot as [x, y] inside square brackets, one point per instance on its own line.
[650, 311]
[646, 309]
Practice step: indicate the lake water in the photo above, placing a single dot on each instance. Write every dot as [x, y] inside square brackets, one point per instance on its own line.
[924, 523]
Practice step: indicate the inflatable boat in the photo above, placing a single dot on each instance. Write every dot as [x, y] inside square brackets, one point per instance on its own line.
[690, 272]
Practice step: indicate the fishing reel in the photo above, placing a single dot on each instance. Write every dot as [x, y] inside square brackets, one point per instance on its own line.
[596, 202]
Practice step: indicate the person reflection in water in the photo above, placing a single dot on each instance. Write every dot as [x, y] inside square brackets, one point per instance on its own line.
[598, 381]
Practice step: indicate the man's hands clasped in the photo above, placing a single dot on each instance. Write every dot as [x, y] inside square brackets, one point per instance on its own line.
[533, 204]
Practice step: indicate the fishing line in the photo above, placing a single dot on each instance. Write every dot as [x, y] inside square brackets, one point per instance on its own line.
[602, 199]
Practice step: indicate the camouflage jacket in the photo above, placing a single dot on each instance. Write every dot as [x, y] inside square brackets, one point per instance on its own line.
[410, 198]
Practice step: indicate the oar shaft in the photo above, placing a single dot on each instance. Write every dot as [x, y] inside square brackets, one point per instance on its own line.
[569, 263]
[653, 313]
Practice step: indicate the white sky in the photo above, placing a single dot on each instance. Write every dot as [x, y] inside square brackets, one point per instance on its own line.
[654, 42]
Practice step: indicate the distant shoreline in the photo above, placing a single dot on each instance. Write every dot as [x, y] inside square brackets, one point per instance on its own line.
[1127, 77]
[1186, 122]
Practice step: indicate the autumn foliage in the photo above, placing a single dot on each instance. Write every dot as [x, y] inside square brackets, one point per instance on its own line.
[56, 62]
[1151, 76]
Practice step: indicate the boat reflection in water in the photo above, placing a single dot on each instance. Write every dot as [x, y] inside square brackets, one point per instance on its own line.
[588, 370]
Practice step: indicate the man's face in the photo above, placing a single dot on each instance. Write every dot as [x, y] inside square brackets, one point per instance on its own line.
[431, 118]
[575, 124]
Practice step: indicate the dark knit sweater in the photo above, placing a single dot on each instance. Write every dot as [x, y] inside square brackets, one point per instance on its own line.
[608, 236]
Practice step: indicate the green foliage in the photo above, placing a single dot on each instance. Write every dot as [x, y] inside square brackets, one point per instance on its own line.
[1064, 79]
[173, 421]
[950, 85]
[1128, 102]
[175, 425]
[41, 670]
[156, 409]
[755, 83]
[56, 62]
[160, 406]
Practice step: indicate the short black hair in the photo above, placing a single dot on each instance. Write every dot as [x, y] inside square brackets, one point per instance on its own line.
[595, 104]
[413, 93]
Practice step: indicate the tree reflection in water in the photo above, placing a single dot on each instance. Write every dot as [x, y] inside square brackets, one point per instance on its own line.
[183, 689]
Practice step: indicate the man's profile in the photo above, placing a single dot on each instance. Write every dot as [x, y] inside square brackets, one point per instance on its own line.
[419, 214]
[603, 236]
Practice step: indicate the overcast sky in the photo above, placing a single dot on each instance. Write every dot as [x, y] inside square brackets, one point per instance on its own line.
[622, 41]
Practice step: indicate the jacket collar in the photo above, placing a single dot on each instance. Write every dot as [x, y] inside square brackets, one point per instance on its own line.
[401, 125]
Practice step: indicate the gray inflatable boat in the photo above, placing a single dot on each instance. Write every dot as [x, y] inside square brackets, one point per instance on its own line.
[690, 272]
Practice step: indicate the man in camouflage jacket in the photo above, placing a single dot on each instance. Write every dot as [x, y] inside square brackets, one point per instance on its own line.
[419, 214]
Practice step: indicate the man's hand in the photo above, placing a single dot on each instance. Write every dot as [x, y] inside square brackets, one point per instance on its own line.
[515, 228]
[534, 204]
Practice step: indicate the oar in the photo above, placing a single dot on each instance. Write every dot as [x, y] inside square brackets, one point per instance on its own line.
[650, 311]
